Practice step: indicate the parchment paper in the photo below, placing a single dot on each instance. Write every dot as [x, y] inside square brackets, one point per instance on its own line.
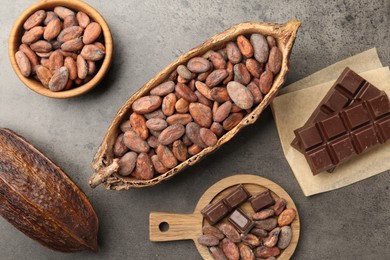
[291, 111]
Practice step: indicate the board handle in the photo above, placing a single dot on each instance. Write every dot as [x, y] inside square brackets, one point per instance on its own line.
[170, 227]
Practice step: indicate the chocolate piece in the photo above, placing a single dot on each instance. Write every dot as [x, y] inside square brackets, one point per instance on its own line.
[348, 89]
[215, 212]
[238, 196]
[346, 134]
[241, 221]
[262, 200]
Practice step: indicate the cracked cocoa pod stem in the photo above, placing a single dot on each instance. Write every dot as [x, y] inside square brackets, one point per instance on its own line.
[40, 200]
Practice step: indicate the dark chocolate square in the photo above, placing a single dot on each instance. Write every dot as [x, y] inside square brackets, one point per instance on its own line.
[332, 126]
[238, 196]
[215, 212]
[365, 138]
[261, 200]
[378, 106]
[336, 101]
[241, 221]
[342, 149]
[309, 137]
[350, 82]
[384, 128]
[319, 160]
[356, 116]
[368, 91]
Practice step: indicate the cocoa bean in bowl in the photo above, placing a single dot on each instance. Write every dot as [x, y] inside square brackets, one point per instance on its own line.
[195, 105]
[60, 49]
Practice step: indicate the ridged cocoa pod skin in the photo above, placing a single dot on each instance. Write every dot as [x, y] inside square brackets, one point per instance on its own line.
[39, 212]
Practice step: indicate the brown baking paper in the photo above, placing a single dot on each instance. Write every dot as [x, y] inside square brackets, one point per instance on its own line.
[292, 110]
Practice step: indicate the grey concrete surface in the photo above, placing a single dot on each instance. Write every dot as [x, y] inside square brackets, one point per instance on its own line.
[349, 223]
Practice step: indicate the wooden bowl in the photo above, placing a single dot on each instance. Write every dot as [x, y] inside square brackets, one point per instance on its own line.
[105, 166]
[75, 5]
[189, 226]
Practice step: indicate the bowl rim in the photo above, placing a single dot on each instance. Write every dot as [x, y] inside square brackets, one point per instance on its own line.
[75, 5]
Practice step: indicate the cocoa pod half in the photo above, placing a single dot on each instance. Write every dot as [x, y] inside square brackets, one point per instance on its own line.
[35, 203]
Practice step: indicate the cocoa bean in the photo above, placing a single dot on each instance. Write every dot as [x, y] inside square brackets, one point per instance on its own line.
[173, 76]
[233, 53]
[73, 45]
[45, 62]
[158, 166]
[272, 238]
[67, 53]
[208, 240]
[256, 93]
[202, 99]
[63, 12]
[181, 106]
[182, 119]
[92, 52]
[220, 94]
[168, 104]
[134, 142]
[35, 19]
[146, 104]
[263, 214]
[216, 77]
[271, 41]
[217, 60]
[265, 252]
[230, 249]
[261, 233]
[144, 167]
[41, 46]
[250, 240]
[166, 156]
[56, 61]
[82, 67]
[182, 80]
[194, 149]
[23, 63]
[198, 65]
[125, 126]
[208, 137]
[223, 53]
[50, 15]
[127, 163]
[163, 89]
[72, 67]
[69, 21]
[254, 67]
[155, 133]
[91, 33]
[217, 253]
[32, 57]
[285, 237]
[201, 114]
[244, 46]
[70, 33]
[155, 114]
[246, 253]
[44, 75]
[184, 72]
[59, 79]
[203, 89]
[138, 124]
[152, 141]
[211, 230]
[240, 95]
[156, 124]
[185, 92]
[186, 140]
[179, 150]
[266, 224]
[279, 206]
[193, 133]
[203, 76]
[214, 108]
[91, 68]
[260, 47]
[231, 121]
[275, 60]
[83, 19]
[230, 232]
[229, 69]
[191, 85]
[171, 134]
[119, 147]
[241, 74]
[217, 129]
[44, 54]
[286, 217]
[32, 35]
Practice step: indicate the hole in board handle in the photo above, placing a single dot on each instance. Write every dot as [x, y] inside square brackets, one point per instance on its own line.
[164, 226]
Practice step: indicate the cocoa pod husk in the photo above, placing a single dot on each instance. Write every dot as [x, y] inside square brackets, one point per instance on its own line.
[38, 210]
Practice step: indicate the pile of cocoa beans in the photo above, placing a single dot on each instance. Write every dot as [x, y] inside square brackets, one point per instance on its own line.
[271, 234]
[196, 105]
[60, 48]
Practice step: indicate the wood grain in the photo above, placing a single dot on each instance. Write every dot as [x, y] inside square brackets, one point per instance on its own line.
[76, 5]
[283, 33]
[189, 226]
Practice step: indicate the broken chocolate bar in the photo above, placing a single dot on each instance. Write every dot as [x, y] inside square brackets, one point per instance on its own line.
[241, 221]
[238, 196]
[262, 200]
[346, 134]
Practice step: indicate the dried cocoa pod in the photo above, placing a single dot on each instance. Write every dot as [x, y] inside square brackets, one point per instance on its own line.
[220, 94]
[127, 163]
[266, 224]
[198, 65]
[83, 19]
[260, 47]
[144, 167]
[245, 46]
[211, 230]
[138, 124]
[35, 204]
[23, 63]
[92, 52]
[119, 147]
[230, 232]
[233, 53]
[163, 89]
[168, 104]
[157, 164]
[230, 249]
[179, 150]
[285, 237]
[217, 253]
[231, 121]
[279, 206]
[91, 33]
[266, 80]
[32, 35]
[134, 142]
[182, 119]
[166, 156]
[156, 124]
[241, 74]
[201, 114]
[265, 252]
[263, 214]
[208, 240]
[63, 12]
[146, 104]
[208, 137]
[246, 253]
[272, 238]
[171, 134]
[250, 240]
[286, 217]
[35, 19]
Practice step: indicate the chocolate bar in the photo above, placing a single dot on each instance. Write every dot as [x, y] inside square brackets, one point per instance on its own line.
[241, 221]
[348, 89]
[218, 210]
[346, 134]
[262, 200]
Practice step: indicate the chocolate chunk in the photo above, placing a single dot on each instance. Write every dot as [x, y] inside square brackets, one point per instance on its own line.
[241, 221]
[215, 212]
[238, 196]
[261, 200]
[346, 134]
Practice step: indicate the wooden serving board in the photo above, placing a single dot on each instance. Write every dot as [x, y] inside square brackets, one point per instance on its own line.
[189, 226]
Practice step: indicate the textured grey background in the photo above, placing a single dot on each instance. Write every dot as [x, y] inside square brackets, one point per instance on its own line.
[349, 223]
